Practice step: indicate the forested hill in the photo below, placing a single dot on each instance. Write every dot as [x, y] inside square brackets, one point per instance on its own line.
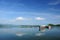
[53, 24]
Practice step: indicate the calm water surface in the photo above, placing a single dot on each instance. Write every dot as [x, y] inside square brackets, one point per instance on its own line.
[29, 34]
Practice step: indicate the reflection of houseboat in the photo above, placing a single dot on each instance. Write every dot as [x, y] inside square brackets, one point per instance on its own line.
[43, 28]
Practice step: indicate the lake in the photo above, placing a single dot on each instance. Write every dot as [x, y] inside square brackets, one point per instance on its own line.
[29, 34]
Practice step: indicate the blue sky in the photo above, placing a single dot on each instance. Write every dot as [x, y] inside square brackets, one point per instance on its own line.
[29, 12]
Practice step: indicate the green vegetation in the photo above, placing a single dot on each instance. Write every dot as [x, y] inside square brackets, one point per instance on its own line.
[50, 24]
[53, 24]
[58, 25]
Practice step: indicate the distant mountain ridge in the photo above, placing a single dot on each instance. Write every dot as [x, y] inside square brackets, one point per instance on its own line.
[9, 26]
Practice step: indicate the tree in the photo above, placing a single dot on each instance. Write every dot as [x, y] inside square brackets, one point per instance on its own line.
[58, 25]
[51, 25]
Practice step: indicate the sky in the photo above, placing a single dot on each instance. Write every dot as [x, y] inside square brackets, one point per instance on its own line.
[30, 12]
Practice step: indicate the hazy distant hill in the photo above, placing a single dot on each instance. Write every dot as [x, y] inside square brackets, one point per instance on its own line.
[22, 26]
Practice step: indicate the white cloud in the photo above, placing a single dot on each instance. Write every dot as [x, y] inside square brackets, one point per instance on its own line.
[39, 18]
[54, 3]
[19, 18]
[22, 18]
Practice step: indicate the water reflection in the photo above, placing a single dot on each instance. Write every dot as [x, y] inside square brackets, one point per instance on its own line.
[29, 34]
